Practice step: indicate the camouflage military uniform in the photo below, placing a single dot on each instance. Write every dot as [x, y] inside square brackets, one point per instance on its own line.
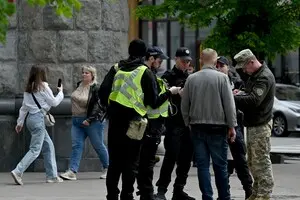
[257, 103]
[258, 147]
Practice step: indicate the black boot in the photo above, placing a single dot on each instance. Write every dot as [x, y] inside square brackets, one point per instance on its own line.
[147, 197]
[181, 195]
[126, 196]
[248, 193]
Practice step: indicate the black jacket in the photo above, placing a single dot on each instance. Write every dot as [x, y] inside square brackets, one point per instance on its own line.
[257, 102]
[175, 77]
[93, 107]
[148, 83]
[235, 78]
[238, 83]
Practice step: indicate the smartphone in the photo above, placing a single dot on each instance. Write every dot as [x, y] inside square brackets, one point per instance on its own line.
[59, 83]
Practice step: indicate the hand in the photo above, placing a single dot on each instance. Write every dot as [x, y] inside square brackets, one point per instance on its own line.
[174, 90]
[235, 91]
[231, 135]
[180, 92]
[60, 88]
[18, 128]
[86, 123]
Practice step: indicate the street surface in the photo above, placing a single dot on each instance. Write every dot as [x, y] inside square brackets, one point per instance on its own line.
[90, 187]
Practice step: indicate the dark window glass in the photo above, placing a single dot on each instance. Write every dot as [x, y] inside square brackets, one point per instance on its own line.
[147, 31]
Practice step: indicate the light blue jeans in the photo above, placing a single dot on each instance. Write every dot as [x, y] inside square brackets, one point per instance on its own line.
[95, 132]
[40, 141]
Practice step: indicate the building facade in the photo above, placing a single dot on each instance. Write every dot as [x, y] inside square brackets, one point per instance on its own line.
[97, 36]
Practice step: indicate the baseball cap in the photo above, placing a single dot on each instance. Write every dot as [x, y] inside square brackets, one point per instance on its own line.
[243, 57]
[137, 48]
[156, 51]
[183, 53]
[223, 60]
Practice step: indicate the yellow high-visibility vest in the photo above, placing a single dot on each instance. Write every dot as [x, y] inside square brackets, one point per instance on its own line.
[163, 109]
[127, 89]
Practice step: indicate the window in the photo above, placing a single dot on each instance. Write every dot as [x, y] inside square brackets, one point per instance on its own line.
[190, 43]
[147, 32]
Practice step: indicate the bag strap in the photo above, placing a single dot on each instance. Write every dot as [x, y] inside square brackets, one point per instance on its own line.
[36, 102]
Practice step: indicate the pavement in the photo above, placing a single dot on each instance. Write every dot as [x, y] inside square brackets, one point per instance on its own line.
[90, 187]
[288, 145]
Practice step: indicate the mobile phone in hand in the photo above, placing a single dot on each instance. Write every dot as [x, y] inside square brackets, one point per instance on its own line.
[59, 83]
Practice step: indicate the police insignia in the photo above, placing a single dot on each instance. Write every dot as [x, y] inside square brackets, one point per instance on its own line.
[259, 91]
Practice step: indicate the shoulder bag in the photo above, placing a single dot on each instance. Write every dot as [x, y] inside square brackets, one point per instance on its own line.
[48, 118]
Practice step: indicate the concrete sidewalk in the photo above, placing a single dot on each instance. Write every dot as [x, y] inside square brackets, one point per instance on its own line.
[90, 187]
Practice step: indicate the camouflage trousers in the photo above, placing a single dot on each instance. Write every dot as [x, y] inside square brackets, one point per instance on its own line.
[260, 165]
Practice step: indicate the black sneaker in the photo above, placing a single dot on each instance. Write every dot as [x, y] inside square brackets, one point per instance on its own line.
[182, 196]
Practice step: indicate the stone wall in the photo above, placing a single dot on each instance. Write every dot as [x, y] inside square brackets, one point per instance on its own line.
[97, 35]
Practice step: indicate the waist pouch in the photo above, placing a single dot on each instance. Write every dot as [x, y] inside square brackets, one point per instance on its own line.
[137, 129]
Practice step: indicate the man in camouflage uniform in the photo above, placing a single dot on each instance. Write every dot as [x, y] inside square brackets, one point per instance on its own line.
[257, 102]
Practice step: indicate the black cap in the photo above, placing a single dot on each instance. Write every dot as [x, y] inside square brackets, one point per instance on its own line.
[223, 60]
[156, 51]
[183, 53]
[137, 48]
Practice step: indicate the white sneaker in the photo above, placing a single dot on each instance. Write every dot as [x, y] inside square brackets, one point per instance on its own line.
[69, 175]
[55, 180]
[17, 178]
[104, 174]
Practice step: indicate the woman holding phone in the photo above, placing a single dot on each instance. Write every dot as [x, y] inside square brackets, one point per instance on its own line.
[86, 123]
[37, 87]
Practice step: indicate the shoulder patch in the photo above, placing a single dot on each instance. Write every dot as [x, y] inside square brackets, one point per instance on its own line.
[259, 91]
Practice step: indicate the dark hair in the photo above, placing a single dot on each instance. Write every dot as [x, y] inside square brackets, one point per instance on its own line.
[137, 48]
[154, 56]
[37, 76]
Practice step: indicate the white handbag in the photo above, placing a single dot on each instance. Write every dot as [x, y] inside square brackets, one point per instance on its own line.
[48, 118]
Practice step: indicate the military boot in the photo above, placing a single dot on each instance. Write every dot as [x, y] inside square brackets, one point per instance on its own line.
[181, 195]
[252, 197]
[263, 198]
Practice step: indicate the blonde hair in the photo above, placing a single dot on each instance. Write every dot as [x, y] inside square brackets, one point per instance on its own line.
[92, 70]
[209, 55]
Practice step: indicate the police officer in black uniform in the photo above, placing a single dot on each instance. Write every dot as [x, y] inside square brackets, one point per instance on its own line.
[177, 142]
[155, 128]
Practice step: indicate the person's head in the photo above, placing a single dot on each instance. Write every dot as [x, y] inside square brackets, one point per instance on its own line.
[209, 57]
[37, 76]
[183, 58]
[223, 64]
[89, 74]
[137, 48]
[155, 57]
[247, 61]
[190, 69]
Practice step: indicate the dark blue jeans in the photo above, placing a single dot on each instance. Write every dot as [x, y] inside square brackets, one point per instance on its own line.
[95, 132]
[210, 141]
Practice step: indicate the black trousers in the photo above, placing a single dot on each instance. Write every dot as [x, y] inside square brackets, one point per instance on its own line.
[179, 150]
[238, 151]
[123, 160]
[147, 162]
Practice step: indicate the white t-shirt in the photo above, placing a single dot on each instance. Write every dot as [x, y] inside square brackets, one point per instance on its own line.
[45, 98]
